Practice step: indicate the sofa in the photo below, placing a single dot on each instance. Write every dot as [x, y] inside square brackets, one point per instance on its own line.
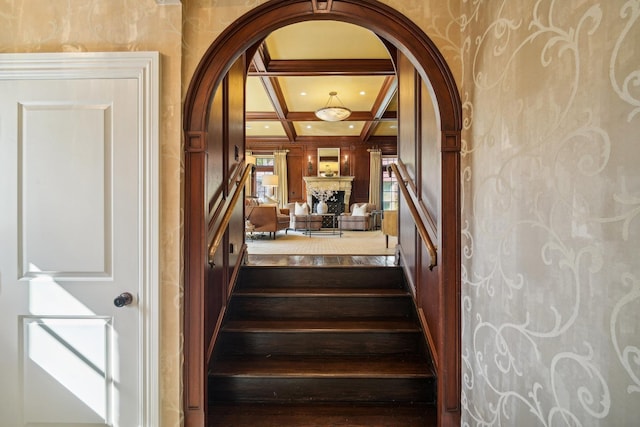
[267, 218]
[301, 221]
[358, 217]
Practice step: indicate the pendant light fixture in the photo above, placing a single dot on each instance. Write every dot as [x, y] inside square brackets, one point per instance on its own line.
[332, 111]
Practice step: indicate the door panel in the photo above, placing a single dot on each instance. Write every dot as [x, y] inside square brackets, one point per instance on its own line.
[66, 370]
[76, 184]
[54, 152]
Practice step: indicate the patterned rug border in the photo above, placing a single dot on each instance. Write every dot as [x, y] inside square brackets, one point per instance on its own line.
[351, 243]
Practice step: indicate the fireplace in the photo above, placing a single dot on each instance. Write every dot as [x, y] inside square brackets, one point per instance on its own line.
[335, 205]
[341, 184]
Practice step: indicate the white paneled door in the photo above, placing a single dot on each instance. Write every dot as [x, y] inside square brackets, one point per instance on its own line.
[78, 228]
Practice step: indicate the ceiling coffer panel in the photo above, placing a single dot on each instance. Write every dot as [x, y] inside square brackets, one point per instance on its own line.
[358, 93]
[328, 128]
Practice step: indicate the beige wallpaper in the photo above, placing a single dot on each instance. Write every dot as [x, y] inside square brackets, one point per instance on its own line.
[121, 25]
[204, 20]
[551, 266]
[551, 197]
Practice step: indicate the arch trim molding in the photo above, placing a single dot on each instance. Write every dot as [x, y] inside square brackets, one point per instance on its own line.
[233, 42]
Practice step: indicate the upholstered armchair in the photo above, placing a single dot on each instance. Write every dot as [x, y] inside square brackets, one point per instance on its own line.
[267, 218]
[358, 218]
[389, 225]
[299, 218]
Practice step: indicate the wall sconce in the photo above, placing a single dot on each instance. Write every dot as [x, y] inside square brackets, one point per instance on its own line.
[309, 166]
[345, 165]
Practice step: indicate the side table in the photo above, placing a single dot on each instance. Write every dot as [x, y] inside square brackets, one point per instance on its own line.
[376, 217]
[248, 230]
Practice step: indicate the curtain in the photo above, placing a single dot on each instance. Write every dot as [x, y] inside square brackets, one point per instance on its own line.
[280, 169]
[375, 178]
[249, 158]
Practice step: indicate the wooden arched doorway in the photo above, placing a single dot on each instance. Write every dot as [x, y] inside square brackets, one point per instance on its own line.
[210, 74]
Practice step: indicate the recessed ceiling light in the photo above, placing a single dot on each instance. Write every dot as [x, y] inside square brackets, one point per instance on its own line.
[303, 93]
[363, 93]
[266, 126]
[351, 126]
[308, 126]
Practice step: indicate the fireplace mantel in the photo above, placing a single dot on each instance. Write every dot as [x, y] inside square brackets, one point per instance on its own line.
[339, 183]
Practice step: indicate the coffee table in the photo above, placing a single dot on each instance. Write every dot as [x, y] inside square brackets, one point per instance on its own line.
[334, 230]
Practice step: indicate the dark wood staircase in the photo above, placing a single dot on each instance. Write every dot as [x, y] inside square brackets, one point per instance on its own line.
[321, 346]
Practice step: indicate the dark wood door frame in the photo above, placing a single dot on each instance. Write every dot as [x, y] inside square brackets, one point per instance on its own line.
[429, 63]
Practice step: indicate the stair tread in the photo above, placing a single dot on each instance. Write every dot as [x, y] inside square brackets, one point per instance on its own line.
[319, 291]
[354, 366]
[325, 325]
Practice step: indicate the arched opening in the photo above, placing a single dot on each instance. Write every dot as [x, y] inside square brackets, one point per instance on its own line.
[438, 81]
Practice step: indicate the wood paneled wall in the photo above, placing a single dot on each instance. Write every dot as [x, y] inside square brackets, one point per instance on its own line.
[431, 157]
[213, 157]
[299, 154]
[224, 152]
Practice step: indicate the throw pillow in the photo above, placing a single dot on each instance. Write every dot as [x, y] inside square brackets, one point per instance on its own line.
[301, 209]
[359, 210]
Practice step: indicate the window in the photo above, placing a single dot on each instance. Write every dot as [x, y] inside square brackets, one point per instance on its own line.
[389, 185]
[264, 166]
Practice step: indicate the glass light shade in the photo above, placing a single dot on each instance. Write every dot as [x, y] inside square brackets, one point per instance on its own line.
[333, 114]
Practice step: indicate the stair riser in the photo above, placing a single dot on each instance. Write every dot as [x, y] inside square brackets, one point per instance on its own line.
[312, 414]
[250, 307]
[351, 277]
[261, 389]
[319, 343]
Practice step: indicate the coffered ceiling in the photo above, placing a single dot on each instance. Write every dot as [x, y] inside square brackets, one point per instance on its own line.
[296, 67]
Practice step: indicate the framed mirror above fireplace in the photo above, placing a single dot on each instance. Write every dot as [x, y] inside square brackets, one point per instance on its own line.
[328, 162]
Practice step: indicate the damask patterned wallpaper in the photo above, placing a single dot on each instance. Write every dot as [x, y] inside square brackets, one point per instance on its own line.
[551, 223]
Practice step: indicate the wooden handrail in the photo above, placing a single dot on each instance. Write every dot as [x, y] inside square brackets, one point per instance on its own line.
[217, 236]
[417, 219]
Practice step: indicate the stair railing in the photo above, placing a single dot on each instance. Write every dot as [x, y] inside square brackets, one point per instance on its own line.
[219, 233]
[420, 217]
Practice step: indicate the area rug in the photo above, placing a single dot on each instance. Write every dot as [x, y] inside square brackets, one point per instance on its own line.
[297, 243]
